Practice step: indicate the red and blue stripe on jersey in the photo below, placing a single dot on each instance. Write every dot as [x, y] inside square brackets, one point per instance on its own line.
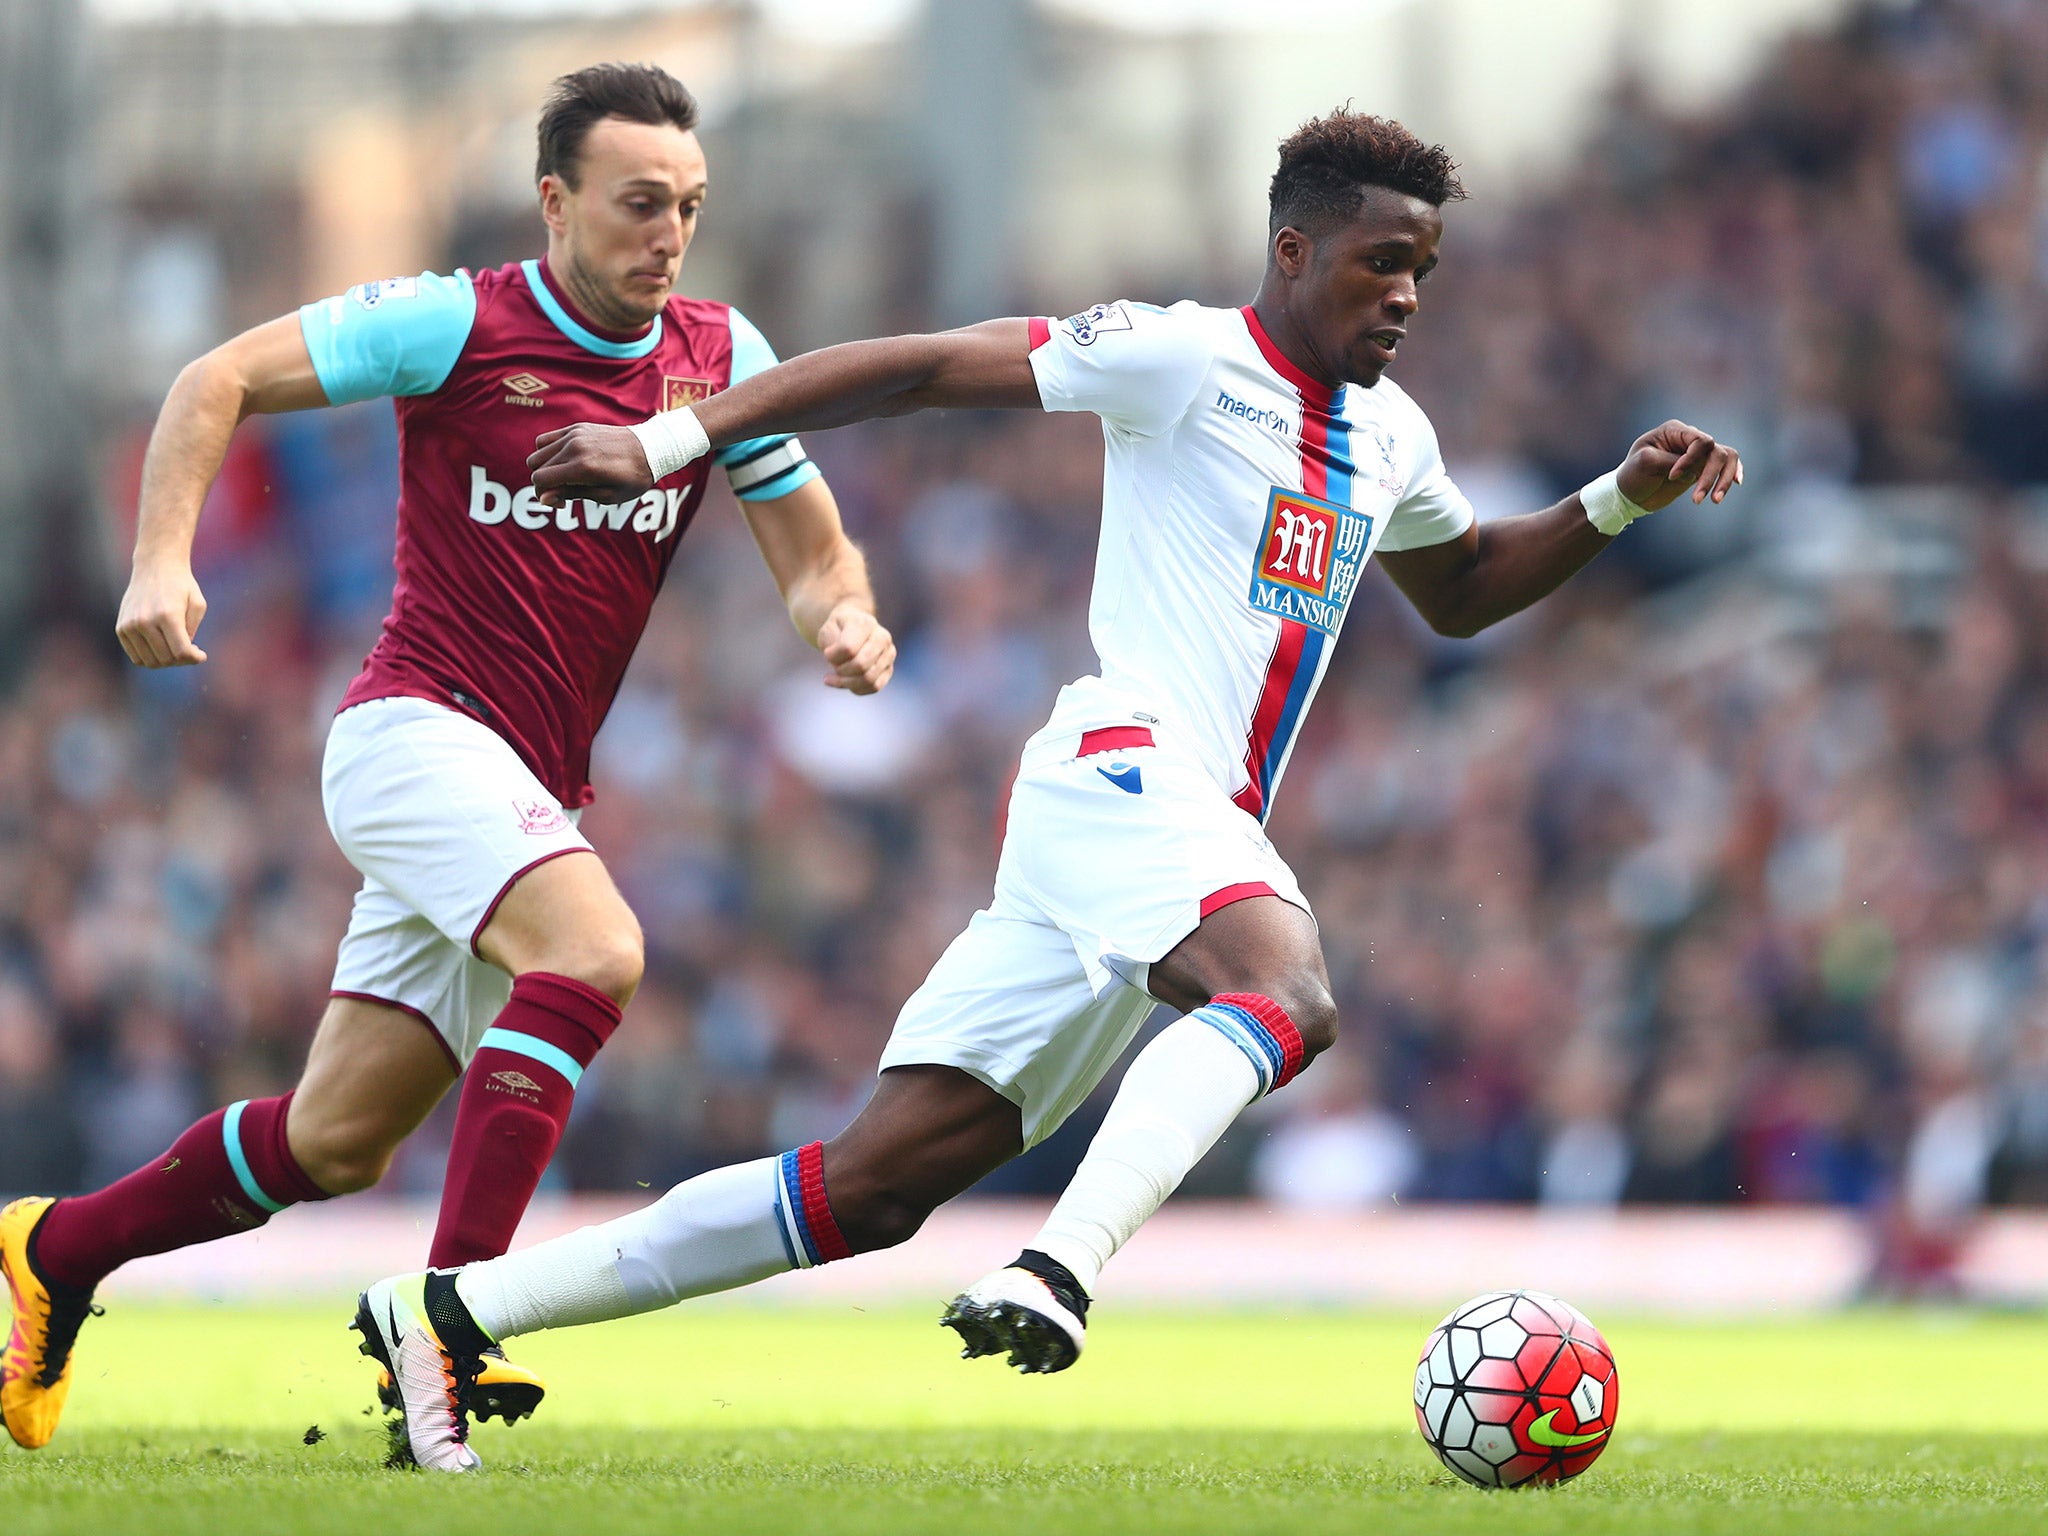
[1297, 660]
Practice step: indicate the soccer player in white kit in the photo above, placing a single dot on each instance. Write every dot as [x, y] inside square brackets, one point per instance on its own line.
[1255, 459]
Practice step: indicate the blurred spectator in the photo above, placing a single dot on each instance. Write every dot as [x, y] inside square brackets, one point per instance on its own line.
[1713, 891]
[1338, 1150]
[40, 1145]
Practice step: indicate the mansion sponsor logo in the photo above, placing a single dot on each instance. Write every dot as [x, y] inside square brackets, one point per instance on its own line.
[526, 389]
[490, 503]
[1257, 415]
[1311, 554]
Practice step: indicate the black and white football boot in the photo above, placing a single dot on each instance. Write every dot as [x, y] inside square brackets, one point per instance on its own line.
[1034, 1308]
[417, 1329]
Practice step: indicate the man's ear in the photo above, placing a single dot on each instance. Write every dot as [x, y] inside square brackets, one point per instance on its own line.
[1292, 251]
[552, 192]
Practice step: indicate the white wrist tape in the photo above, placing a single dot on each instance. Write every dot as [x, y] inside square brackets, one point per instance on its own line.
[1606, 508]
[672, 439]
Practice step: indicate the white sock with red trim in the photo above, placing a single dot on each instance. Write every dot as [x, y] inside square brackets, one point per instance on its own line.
[1178, 1097]
[720, 1230]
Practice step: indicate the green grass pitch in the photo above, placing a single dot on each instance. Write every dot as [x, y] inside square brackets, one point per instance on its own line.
[720, 1418]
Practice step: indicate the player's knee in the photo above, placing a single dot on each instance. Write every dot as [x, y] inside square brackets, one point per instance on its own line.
[1314, 1013]
[612, 961]
[341, 1159]
[873, 1204]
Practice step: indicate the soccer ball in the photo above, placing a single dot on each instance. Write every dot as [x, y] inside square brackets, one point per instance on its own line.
[1516, 1387]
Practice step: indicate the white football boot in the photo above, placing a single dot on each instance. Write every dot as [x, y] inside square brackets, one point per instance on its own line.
[1034, 1309]
[394, 1319]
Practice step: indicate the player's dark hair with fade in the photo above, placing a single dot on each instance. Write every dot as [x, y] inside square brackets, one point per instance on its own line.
[1327, 163]
[640, 93]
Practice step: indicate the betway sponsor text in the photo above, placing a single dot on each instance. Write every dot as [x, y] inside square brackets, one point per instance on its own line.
[656, 512]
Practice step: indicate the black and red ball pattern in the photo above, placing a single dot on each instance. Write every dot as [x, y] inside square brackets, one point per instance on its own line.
[1516, 1387]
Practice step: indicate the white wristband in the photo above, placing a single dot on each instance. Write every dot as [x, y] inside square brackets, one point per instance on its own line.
[672, 439]
[1606, 508]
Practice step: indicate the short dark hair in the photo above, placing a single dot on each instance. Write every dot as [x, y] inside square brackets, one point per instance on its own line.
[1327, 163]
[640, 93]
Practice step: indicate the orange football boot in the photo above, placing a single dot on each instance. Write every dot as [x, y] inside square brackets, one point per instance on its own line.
[35, 1369]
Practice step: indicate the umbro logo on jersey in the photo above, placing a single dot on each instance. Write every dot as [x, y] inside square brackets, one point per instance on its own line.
[526, 389]
[1311, 554]
[1126, 777]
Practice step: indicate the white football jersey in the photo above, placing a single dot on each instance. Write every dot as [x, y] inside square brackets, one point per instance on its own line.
[1240, 502]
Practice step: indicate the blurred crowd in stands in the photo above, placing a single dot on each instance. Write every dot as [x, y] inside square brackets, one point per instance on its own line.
[1721, 878]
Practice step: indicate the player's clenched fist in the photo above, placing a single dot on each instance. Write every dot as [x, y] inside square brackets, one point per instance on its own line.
[160, 613]
[861, 652]
[1666, 460]
[600, 462]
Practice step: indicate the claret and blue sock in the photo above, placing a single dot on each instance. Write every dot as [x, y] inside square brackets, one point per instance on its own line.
[229, 1173]
[516, 1098]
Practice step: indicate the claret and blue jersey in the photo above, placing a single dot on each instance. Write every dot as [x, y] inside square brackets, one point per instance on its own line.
[523, 614]
[1241, 500]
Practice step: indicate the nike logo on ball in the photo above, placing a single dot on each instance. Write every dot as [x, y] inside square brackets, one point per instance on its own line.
[1543, 1434]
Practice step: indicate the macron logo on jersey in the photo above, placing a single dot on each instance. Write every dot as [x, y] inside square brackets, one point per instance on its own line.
[1310, 558]
[1257, 415]
[657, 512]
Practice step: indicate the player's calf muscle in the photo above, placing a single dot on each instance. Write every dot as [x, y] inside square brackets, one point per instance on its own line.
[880, 1201]
[879, 1218]
[344, 1146]
[928, 1134]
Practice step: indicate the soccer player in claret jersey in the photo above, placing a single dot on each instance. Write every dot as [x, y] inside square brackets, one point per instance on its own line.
[487, 934]
[1256, 458]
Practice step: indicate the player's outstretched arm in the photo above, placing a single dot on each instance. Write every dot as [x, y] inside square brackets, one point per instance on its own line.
[261, 370]
[824, 580]
[986, 366]
[1488, 573]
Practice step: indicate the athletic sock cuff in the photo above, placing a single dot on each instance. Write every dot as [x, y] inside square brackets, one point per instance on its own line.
[260, 1153]
[1260, 1028]
[456, 1326]
[570, 1015]
[808, 1228]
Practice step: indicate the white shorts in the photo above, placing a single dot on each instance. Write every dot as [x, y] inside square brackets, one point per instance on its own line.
[441, 817]
[1113, 855]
